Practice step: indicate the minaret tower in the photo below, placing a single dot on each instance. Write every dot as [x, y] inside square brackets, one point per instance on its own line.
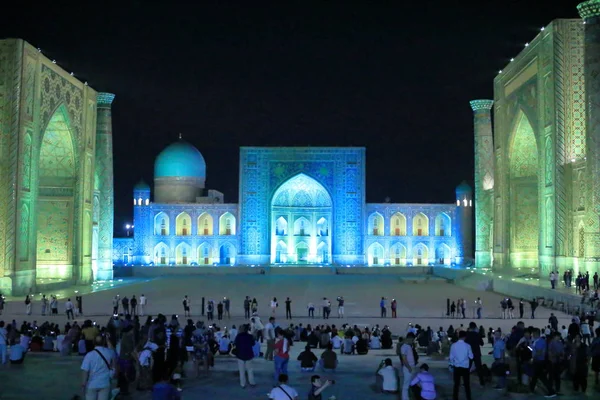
[105, 186]
[141, 223]
[463, 223]
[590, 13]
[484, 181]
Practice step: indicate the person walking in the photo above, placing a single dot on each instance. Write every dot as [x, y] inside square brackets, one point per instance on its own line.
[460, 359]
[479, 305]
[534, 304]
[115, 304]
[244, 342]
[288, 308]
[281, 355]
[143, 302]
[475, 340]
[539, 353]
[269, 334]
[69, 309]
[274, 305]
[382, 307]
[521, 308]
[28, 306]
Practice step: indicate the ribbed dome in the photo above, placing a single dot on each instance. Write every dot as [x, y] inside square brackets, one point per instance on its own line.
[180, 159]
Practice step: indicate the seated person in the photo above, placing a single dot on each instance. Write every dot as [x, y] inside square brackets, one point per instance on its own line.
[375, 342]
[25, 340]
[337, 342]
[423, 385]
[17, 352]
[81, 346]
[308, 360]
[362, 347]
[313, 340]
[348, 346]
[48, 343]
[324, 339]
[386, 339]
[329, 358]
[224, 345]
[389, 374]
[163, 389]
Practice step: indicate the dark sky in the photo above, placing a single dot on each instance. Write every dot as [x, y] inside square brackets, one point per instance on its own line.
[394, 78]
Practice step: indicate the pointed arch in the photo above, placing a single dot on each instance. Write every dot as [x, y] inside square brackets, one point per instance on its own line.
[227, 224]
[322, 227]
[57, 151]
[443, 225]
[281, 226]
[375, 254]
[227, 254]
[183, 224]
[376, 224]
[443, 254]
[205, 224]
[398, 254]
[420, 225]
[205, 254]
[302, 227]
[420, 254]
[183, 253]
[302, 252]
[398, 225]
[161, 224]
[281, 252]
[161, 254]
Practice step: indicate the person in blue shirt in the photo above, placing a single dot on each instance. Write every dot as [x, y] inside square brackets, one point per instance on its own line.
[164, 390]
[539, 350]
[499, 352]
[382, 306]
[17, 352]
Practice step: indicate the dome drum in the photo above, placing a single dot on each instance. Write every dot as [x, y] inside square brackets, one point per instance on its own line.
[177, 189]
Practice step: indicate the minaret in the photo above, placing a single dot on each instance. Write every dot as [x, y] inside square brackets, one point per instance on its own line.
[104, 173]
[142, 228]
[590, 13]
[463, 223]
[484, 181]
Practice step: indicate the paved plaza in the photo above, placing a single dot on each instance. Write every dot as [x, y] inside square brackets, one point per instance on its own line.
[420, 301]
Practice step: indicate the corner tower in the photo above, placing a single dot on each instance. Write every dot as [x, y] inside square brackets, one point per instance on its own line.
[484, 181]
[105, 186]
[463, 226]
[141, 222]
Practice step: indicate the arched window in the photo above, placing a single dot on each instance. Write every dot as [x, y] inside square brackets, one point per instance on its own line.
[376, 227]
[227, 224]
[420, 225]
[398, 225]
[161, 224]
[205, 224]
[183, 223]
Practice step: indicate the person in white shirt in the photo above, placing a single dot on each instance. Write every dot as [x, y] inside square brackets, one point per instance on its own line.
[224, 345]
[270, 336]
[283, 391]
[375, 342]
[98, 367]
[233, 333]
[460, 359]
[390, 376]
[407, 357]
[425, 382]
[564, 332]
[69, 309]
[143, 302]
[336, 341]
[274, 306]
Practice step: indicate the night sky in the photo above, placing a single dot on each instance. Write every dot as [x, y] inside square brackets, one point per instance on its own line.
[396, 79]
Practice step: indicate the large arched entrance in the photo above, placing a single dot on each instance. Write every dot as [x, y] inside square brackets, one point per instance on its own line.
[56, 200]
[303, 205]
[523, 201]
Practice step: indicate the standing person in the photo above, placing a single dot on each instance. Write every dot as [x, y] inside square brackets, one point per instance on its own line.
[579, 364]
[247, 307]
[220, 311]
[504, 306]
[594, 353]
[553, 321]
[311, 310]
[133, 304]
[499, 352]
[69, 309]
[226, 304]
[475, 341]
[382, 307]
[254, 306]
[274, 306]
[115, 304]
[143, 302]
[461, 355]
[534, 304]
[556, 356]
[596, 281]
[511, 308]
[28, 306]
[394, 305]
[479, 305]
[54, 305]
[244, 342]
[186, 306]
[269, 333]
[281, 356]
[288, 308]
[325, 302]
[44, 304]
[209, 310]
[407, 358]
[79, 302]
[553, 280]
[463, 308]
[98, 369]
[340, 301]
[521, 308]
[125, 303]
[539, 353]
[452, 309]
[282, 391]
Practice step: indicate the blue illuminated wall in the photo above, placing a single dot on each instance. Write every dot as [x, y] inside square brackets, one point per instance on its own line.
[341, 171]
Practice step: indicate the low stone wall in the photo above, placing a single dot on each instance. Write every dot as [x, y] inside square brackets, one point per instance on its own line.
[400, 271]
[154, 272]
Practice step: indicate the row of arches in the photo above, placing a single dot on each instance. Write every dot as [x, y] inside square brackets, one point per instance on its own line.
[398, 225]
[302, 226]
[184, 254]
[205, 225]
[398, 254]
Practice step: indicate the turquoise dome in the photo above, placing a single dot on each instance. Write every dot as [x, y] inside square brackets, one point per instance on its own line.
[464, 187]
[141, 185]
[180, 159]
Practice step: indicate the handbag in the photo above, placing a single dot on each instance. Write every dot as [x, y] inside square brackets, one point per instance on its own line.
[111, 371]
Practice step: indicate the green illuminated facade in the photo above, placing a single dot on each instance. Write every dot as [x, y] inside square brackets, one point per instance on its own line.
[55, 174]
[541, 209]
